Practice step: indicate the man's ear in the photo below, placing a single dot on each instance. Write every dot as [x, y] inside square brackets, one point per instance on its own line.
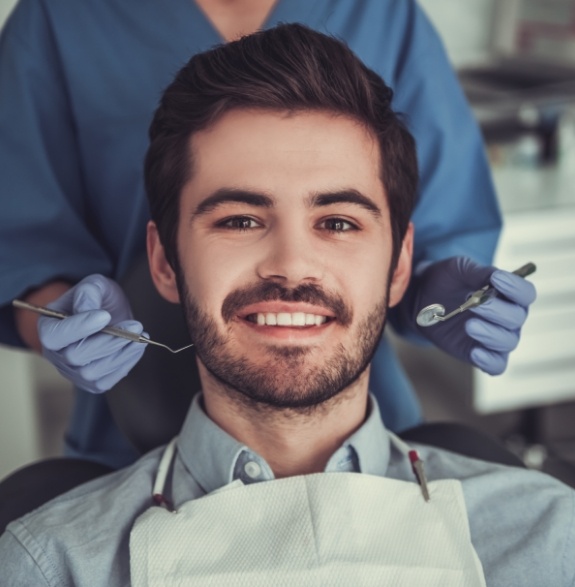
[162, 273]
[402, 274]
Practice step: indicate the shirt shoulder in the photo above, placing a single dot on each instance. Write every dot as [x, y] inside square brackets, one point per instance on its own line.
[522, 522]
[70, 539]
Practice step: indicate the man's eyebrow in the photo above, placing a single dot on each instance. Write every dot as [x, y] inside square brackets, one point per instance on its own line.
[225, 195]
[346, 196]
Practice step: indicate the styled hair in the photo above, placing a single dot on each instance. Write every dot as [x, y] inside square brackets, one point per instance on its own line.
[287, 68]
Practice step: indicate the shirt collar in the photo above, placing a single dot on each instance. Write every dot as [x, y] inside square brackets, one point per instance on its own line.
[214, 458]
[370, 443]
[207, 451]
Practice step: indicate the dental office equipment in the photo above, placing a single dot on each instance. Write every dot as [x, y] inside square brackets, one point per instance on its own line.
[107, 330]
[435, 313]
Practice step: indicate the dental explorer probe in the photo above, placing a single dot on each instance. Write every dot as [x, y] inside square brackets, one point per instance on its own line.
[107, 330]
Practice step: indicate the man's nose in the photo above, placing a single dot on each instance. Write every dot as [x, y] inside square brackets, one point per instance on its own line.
[291, 258]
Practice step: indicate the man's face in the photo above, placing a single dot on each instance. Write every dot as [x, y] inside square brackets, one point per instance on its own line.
[284, 245]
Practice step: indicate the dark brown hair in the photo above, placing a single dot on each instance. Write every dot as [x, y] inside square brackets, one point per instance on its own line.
[287, 68]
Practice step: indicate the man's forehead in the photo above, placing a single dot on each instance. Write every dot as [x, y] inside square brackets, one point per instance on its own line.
[270, 151]
[258, 120]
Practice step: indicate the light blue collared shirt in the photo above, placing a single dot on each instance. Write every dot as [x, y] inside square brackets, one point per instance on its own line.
[522, 522]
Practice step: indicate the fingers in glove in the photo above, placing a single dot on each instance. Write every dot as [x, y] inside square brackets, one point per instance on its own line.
[491, 336]
[492, 363]
[87, 296]
[57, 334]
[97, 291]
[471, 274]
[514, 288]
[502, 313]
[104, 374]
[101, 345]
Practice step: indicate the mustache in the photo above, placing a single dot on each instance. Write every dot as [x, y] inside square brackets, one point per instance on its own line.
[274, 292]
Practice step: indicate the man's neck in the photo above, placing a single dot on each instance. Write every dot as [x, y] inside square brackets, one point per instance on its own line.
[292, 442]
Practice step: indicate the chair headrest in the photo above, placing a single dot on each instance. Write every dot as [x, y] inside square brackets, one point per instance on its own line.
[150, 404]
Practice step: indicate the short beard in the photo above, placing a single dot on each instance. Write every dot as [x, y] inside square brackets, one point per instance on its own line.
[284, 381]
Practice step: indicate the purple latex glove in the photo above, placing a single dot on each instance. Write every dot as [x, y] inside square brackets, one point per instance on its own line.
[92, 360]
[483, 336]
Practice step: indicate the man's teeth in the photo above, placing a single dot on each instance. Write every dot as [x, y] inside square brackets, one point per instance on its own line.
[287, 319]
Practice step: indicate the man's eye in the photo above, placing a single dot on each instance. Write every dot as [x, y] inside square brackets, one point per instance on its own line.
[337, 225]
[239, 223]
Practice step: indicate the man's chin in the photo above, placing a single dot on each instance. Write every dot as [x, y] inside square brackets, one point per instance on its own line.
[288, 351]
[284, 382]
[285, 398]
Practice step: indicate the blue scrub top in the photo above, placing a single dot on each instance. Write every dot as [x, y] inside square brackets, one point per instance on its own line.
[79, 82]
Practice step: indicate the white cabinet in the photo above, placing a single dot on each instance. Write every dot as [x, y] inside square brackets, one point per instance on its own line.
[539, 211]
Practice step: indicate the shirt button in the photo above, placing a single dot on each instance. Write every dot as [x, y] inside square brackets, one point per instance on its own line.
[252, 469]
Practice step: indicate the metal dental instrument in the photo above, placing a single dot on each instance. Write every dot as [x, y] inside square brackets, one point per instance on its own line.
[107, 330]
[435, 313]
[419, 472]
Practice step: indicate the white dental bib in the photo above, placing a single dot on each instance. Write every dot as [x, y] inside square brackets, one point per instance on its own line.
[326, 529]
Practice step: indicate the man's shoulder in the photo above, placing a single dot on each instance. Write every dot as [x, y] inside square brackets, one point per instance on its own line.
[515, 514]
[90, 525]
[482, 480]
[115, 494]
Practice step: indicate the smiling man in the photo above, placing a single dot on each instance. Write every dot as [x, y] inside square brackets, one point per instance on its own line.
[283, 220]
[281, 185]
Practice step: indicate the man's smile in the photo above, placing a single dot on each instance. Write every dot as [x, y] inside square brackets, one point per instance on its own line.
[297, 319]
[278, 313]
[286, 320]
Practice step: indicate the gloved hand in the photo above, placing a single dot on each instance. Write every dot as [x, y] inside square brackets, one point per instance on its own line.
[92, 360]
[483, 336]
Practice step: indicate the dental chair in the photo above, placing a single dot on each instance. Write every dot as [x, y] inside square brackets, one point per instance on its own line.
[150, 405]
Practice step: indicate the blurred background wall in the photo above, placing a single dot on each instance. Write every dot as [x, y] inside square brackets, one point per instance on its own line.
[5, 8]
